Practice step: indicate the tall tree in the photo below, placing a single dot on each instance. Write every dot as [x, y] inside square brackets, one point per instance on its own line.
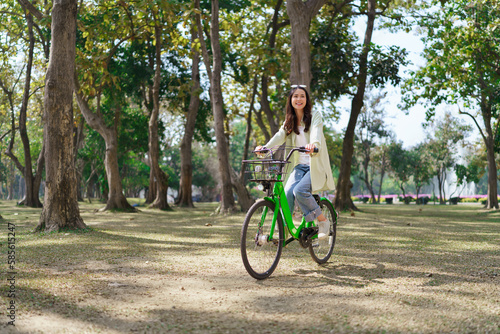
[400, 161]
[99, 83]
[420, 166]
[370, 132]
[60, 209]
[214, 71]
[462, 68]
[272, 115]
[186, 180]
[381, 68]
[160, 177]
[343, 193]
[444, 136]
[32, 180]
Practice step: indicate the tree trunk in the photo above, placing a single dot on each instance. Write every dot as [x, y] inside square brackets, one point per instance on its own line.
[273, 116]
[301, 14]
[366, 178]
[343, 199]
[151, 193]
[60, 210]
[441, 176]
[382, 174]
[227, 200]
[492, 179]
[115, 199]
[186, 181]
[248, 131]
[160, 178]
[244, 199]
[11, 179]
[31, 198]
[489, 141]
[79, 163]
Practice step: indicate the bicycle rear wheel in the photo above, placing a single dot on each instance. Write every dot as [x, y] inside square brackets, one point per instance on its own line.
[322, 249]
[259, 252]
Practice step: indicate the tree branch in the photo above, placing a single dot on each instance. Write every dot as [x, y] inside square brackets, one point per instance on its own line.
[475, 121]
[31, 9]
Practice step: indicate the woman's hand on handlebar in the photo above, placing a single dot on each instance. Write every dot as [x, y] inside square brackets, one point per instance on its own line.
[258, 150]
[310, 148]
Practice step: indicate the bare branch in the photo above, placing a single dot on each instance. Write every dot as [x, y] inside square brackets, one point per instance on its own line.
[475, 121]
[31, 9]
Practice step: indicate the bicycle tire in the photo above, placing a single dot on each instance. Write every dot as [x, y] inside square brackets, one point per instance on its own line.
[259, 254]
[321, 249]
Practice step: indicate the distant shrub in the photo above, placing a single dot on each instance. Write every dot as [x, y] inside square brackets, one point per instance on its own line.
[363, 199]
[406, 200]
[468, 200]
[423, 200]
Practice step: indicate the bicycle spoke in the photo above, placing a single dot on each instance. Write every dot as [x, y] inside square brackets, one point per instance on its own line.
[261, 243]
[322, 249]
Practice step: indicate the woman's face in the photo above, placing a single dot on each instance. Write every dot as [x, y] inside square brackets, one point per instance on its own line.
[299, 99]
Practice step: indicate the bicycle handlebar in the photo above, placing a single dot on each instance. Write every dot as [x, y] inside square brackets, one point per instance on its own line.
[301, 149]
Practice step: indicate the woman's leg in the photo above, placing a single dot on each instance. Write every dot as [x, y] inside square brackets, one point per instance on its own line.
[297, 175]
[307, 203]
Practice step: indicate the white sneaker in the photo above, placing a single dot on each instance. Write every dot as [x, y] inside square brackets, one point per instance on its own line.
[323, 229]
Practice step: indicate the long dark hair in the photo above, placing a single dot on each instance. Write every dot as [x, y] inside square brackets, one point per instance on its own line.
[291, 121]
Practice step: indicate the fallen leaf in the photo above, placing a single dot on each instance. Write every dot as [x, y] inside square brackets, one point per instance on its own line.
[116, 284]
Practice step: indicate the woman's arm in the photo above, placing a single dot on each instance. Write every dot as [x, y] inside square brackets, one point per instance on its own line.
[316, 129]
[278, 139]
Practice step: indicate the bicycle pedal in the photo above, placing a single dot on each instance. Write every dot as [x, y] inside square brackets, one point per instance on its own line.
[312, 231]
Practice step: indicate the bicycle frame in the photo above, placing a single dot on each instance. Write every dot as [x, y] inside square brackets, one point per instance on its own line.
[278, 197]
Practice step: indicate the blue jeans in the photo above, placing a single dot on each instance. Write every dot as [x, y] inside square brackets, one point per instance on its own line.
[298, 187]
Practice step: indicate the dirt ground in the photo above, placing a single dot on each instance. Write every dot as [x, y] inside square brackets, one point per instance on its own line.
[181, 272]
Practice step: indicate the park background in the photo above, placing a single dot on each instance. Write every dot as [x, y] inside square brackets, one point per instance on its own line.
[407, 141]
[110, 108]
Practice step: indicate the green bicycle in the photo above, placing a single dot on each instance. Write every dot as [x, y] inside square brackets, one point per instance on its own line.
[263, 232]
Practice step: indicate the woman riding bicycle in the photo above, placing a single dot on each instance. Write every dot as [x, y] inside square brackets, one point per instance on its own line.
[311, 171]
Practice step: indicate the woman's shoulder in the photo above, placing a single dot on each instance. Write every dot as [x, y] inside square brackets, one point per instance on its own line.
[315, 114]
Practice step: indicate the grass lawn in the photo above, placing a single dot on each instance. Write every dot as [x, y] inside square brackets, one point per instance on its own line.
[395, 269]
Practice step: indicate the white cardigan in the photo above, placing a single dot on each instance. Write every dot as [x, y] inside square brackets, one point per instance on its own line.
[321, 172]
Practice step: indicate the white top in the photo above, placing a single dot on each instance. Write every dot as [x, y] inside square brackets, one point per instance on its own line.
[304, 158]
[321, 172]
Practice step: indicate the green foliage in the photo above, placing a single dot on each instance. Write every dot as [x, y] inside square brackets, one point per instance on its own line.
[384, 67]
[134, 173]
[237, 144]
[203, 165]
[230, 5]
[420, 166]
[333, 55]
[334, 143]
[203, 130]
[461, 52]
[409, 164]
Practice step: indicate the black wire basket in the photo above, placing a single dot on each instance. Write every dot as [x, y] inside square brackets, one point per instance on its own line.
[265, 170]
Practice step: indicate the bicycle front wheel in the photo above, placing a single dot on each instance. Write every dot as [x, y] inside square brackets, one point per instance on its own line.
[261, 240]
[322, 249]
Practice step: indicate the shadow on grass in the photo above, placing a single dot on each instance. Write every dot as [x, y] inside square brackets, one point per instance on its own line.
[441, 246]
